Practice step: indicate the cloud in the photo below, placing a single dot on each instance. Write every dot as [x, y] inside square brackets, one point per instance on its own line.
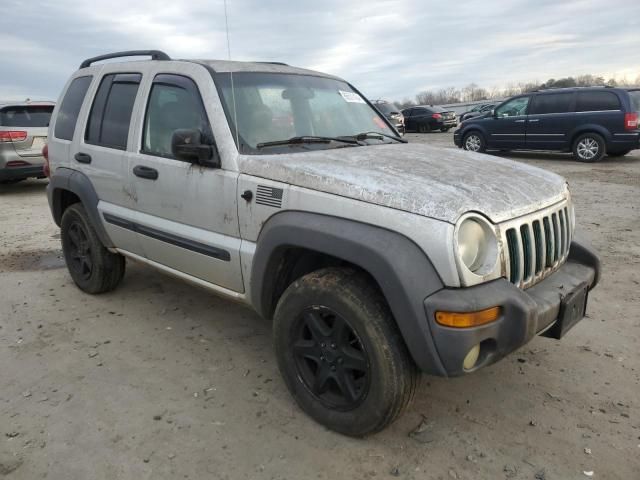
[388, 49]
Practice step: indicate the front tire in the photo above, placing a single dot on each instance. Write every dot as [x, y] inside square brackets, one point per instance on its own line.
[93, 268]
[589, 148]
[474, 142]
[340, 352]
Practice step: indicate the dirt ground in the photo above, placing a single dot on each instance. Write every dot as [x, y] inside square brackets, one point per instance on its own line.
[161, 380]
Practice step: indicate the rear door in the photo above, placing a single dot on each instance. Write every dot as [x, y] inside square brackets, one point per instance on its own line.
[100, 153]
[188, 213]
[28, 125]
[507, 128]
[551, 120]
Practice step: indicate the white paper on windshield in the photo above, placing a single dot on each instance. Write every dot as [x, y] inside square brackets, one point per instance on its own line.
[351, 97]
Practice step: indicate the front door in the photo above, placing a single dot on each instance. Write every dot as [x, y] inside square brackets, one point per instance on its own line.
[187, 213]
[507, 128]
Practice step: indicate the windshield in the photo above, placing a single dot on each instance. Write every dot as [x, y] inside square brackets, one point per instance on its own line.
[387, 108]
[274, 107]
[26, 116]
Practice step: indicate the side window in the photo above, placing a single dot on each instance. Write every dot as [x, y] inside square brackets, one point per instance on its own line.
[596, 101]
[513, 108]
[70, 108]
[174, 103]
[407, 112]
[551, 103]
[110, 116]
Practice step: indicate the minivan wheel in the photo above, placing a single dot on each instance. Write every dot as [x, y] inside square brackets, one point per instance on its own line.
[589, 147]
[474, 142]
[340, 352]
[93, 268]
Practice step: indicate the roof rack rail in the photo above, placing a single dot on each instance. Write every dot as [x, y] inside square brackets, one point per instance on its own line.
[154, 54]
[275, 63]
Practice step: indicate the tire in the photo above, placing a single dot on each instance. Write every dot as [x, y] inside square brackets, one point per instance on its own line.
[619, 153]
[424, 128]
[93, 268]
[313, 356]
[474, 142]
[589, 147]
[445, 130]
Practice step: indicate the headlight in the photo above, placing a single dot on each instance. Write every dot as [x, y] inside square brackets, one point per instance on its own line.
[477, 245]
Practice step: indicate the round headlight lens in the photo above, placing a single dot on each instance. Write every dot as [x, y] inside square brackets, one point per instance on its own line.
[477, 245]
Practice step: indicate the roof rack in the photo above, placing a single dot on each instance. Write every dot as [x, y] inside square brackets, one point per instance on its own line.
[154, 54]
[274, 63]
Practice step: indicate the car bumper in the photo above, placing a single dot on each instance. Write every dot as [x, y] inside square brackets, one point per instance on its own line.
[457, 138]
[19, 173]
[525, 313]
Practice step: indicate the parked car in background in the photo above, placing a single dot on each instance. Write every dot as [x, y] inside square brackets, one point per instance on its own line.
[591, 122]
[23, 134]
[428, 118]
[392, 112]
[373, 257]
[477, 111]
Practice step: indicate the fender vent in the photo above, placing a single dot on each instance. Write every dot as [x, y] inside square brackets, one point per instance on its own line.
[269, 196]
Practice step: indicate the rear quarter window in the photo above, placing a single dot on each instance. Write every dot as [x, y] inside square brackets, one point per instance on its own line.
[596, 101]
[70, 108]
[29, 116]
[635, 99]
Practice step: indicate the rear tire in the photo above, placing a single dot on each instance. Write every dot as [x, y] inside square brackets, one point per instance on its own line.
[424, 128]
[341, 354]
[93, 268]
[474, 142]
[589, 148]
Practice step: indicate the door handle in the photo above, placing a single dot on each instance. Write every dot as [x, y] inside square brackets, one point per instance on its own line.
[518, 121]
[145, 172]
[82, 157]
[534, 120]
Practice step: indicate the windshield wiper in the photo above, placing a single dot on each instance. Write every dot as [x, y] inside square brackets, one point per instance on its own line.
[366, 135]
[307, 139]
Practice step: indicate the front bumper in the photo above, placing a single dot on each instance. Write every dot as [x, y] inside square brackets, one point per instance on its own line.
[525, 313]
[457, 139]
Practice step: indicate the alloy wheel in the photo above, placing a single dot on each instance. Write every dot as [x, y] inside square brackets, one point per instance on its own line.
[473, 143]
[331, 360]
[588, 148]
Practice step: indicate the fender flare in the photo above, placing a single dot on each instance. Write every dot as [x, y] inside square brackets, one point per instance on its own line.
[66, 179]
[404, 273]
[588, 128]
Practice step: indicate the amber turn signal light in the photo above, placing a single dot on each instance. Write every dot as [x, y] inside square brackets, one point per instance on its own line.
[469, 319]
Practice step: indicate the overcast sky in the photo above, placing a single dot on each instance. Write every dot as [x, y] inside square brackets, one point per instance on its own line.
[388, 49]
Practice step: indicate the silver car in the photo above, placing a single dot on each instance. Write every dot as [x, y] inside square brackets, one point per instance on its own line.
[23, 134]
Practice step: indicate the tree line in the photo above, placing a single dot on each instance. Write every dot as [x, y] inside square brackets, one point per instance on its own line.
[475, 93]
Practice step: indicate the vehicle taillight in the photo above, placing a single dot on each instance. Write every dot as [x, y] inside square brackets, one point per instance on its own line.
[631, 121]
[45, 167]
[436, 115]
[12, 136]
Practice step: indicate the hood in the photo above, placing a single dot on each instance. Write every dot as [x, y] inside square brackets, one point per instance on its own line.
[436, 182]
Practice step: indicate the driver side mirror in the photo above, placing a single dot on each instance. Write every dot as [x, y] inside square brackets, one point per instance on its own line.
[191, 145]
[493, 113]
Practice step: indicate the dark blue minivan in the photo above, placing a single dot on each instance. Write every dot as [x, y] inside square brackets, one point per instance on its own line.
[589, 121]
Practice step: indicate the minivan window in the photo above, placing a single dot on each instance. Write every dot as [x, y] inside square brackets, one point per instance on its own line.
[174, 103]
[551, 103]
[596, 101]
[110, 116]
[513, 108]
[26, 116]
[70, 108]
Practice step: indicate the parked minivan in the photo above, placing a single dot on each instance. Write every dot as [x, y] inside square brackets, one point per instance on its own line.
[591, 122]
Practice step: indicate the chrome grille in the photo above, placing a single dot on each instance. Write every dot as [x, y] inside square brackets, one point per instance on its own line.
[537, 244]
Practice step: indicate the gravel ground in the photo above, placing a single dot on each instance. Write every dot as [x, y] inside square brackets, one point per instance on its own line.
[162, 380]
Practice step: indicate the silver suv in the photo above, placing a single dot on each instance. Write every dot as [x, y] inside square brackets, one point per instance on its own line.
[284, 189]
[23, 134]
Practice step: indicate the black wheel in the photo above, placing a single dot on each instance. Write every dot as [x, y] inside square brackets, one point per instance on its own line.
[445, 129]
[589, 147]
[92, 267]
[618, 153]
[424, 128]
[474, 142]
[340, 352]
